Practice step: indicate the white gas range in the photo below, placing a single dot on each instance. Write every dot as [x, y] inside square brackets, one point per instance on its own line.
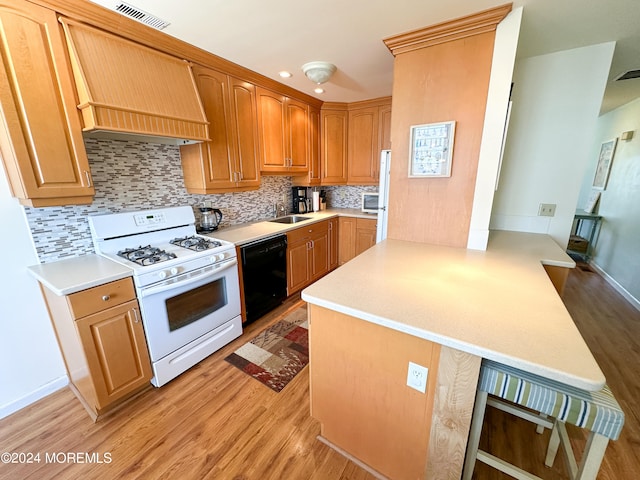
[187, 284]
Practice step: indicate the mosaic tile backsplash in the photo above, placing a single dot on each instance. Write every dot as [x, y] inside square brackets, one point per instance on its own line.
[131, 175]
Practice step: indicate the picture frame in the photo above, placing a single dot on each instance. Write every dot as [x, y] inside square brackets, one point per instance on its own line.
[591, 202]
[603, 167]
[431, 149]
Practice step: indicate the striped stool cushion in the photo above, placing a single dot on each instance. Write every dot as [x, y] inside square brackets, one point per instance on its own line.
[595, 411]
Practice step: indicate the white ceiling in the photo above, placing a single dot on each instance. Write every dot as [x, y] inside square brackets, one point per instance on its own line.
[268, 37]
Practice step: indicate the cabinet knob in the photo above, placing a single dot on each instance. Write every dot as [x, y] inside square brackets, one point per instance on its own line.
[106, 298]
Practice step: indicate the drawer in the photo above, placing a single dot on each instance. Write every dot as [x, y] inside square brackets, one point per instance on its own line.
[101, 297]
[366, 223]
[308, 232]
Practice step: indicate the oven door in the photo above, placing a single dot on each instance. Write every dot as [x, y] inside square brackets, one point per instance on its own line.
[180, 309]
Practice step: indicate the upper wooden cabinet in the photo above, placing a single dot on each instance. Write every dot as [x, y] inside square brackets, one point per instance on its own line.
[283, 131]
[369, 133]
[229, 162]
[125, 87]
[333, 147]
[40, 136]
[313, 177]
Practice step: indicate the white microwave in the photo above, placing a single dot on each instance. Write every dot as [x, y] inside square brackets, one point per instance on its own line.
[370, 202]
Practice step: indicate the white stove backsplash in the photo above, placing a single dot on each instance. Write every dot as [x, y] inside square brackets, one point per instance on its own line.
[134, 176]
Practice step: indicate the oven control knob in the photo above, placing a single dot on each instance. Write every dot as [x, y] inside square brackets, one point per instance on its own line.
[220, 256]
[174, 271]
[162, 274]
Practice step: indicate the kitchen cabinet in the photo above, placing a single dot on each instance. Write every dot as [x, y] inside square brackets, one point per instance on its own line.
[307, 255]
[283, 132]
[229, 161]
[313, 178]
[333, 242]
[355, 236]
[333, 148]
[369, 133]
[100, 333]
[40, 137]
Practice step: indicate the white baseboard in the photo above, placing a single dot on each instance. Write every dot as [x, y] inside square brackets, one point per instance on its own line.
[43, 391]
[619, 288]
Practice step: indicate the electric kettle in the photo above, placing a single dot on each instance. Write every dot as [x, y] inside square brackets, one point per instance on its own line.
[211, 218]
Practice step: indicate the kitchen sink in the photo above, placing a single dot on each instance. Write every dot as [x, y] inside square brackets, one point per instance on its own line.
[290, 219]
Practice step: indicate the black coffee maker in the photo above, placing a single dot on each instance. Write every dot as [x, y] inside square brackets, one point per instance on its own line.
[300, 200]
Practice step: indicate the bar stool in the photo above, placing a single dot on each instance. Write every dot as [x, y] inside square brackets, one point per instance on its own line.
[549, 404]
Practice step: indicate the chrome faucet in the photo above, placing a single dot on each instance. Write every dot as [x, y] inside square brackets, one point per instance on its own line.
[279, 210]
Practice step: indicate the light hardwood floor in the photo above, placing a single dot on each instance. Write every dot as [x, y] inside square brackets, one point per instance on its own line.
[215, 422]
[212, 422]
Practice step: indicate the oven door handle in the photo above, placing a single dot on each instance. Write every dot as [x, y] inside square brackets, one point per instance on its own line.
[170, 284]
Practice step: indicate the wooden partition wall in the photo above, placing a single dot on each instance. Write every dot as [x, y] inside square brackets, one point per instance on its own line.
[441, 73]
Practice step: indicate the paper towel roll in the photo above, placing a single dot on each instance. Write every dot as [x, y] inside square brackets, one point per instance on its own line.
[316, 201]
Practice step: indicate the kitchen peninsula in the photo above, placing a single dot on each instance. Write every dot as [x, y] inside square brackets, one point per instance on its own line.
[443, 308]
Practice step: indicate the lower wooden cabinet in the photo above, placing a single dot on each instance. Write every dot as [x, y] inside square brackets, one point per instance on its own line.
[356, 235]
[103, 344]
[333, 242]
[307, 255]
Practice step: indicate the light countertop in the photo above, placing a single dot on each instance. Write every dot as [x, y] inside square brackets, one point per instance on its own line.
[78, 273]
[250, 232]
[498, 304]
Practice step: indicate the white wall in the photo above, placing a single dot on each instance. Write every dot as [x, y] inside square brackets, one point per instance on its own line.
[502, 67]
[617, 250]
[31, 365]
[556, 101]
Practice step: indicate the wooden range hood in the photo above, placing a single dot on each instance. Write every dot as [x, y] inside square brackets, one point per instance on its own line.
[127, 90]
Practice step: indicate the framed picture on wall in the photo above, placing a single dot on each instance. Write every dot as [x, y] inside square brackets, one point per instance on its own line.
[431, 150]
[607, 150]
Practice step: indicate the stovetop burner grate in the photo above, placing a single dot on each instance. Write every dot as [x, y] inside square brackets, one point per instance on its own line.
[196, 243]
[146, 255]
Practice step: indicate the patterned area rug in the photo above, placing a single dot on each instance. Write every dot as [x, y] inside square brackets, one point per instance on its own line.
[276, 354]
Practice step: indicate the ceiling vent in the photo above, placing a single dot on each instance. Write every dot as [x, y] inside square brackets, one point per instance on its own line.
[628, 75]
[141, 16]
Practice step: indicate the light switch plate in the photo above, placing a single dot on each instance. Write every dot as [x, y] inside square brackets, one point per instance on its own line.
[417, 377]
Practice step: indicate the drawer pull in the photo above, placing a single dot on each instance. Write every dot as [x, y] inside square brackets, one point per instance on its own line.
[106, 298]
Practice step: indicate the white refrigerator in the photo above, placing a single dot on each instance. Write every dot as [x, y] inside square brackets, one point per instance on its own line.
[383, 195]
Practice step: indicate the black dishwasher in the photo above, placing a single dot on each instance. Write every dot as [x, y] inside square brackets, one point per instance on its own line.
[264, 275]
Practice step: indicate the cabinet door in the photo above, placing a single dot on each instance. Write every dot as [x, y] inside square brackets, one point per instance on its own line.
[363, 147]
[346, 239]
[384, 119]
[297, 135]
[272, 130]
[333, 149]
[298, 271]
[314, 144]
[245, 128]
[333, 243]
[365, 234]
[209, 165]
[40, 139]
[319, 256]
[116, 351]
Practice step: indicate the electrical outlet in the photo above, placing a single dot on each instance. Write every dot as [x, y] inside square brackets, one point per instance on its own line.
[417, 377]
[547, 210]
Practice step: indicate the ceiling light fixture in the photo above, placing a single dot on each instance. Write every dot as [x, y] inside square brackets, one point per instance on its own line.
[319, 90]
[285, 74]
[318, 72]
